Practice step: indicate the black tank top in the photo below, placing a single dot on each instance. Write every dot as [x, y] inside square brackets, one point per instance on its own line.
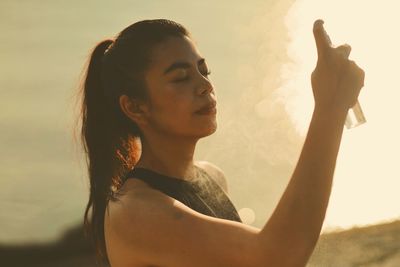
[203, 194]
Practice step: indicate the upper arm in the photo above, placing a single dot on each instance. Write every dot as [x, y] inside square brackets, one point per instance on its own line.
[168, 233]
[215, 172]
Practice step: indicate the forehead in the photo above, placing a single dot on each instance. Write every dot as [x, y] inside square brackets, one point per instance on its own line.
[172, 50]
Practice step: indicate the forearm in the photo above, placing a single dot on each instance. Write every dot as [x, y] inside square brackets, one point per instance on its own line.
[296, 222]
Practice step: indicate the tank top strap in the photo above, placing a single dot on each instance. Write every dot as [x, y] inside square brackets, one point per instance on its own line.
[202, 194]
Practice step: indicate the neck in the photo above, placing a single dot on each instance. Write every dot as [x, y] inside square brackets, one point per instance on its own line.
[168, 156]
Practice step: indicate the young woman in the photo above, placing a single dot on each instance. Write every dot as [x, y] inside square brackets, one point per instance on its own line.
[146, 101]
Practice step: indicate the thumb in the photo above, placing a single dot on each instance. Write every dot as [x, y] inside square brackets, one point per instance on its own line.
[322, 40]
[344, 50]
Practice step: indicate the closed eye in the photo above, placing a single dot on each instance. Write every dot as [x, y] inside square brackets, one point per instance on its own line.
[187, 77]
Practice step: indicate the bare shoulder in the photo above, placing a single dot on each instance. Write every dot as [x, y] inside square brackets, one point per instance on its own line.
[215, 172]
[119, 226]
[148, 228]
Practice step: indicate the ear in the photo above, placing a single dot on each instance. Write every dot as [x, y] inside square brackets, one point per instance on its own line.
[134, 109]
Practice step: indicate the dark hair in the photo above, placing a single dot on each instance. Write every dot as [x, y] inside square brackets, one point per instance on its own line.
[108, 136]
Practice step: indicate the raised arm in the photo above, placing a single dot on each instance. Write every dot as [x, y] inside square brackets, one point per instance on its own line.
[296, 222]
[149, 228]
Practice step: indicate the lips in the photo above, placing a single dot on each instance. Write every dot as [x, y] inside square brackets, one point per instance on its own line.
[207, 108]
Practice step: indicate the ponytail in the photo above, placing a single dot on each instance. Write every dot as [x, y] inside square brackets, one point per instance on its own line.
[109, 137]
[108, 145]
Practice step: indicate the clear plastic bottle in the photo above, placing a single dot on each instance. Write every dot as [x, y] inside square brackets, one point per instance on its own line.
[355, 116]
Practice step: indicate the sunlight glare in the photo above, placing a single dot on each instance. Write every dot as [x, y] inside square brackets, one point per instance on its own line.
[367, 178]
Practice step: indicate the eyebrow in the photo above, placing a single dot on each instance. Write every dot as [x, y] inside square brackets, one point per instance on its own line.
[181, 64]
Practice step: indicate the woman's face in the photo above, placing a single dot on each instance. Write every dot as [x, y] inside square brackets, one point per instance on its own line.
[178, 86]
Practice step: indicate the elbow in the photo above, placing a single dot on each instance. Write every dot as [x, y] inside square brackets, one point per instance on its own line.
[299, 254]
[301, 250]
[294, 252]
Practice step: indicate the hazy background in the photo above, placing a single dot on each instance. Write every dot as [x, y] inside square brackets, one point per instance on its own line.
[261, 54]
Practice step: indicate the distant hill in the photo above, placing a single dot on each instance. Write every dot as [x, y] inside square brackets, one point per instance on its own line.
[372, 246]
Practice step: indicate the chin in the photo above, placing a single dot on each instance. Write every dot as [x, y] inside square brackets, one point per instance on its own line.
[200, 129]
[212, 129]
[204, 131]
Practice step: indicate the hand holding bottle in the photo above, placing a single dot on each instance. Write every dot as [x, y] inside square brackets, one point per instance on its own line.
[336, 80]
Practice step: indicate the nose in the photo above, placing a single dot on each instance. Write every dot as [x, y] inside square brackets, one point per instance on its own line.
[205, 86]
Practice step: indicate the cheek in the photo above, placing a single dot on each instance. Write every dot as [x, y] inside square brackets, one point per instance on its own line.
[177, 100]
[173, 110]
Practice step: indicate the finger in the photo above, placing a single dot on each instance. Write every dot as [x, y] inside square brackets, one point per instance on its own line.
[362, 77]
[322, 40]
[344, 50]
[358, 74]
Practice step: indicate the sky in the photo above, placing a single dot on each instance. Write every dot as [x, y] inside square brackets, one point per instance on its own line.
[261, 54]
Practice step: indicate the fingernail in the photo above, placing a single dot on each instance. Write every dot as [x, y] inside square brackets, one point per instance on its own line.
[318, 24]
